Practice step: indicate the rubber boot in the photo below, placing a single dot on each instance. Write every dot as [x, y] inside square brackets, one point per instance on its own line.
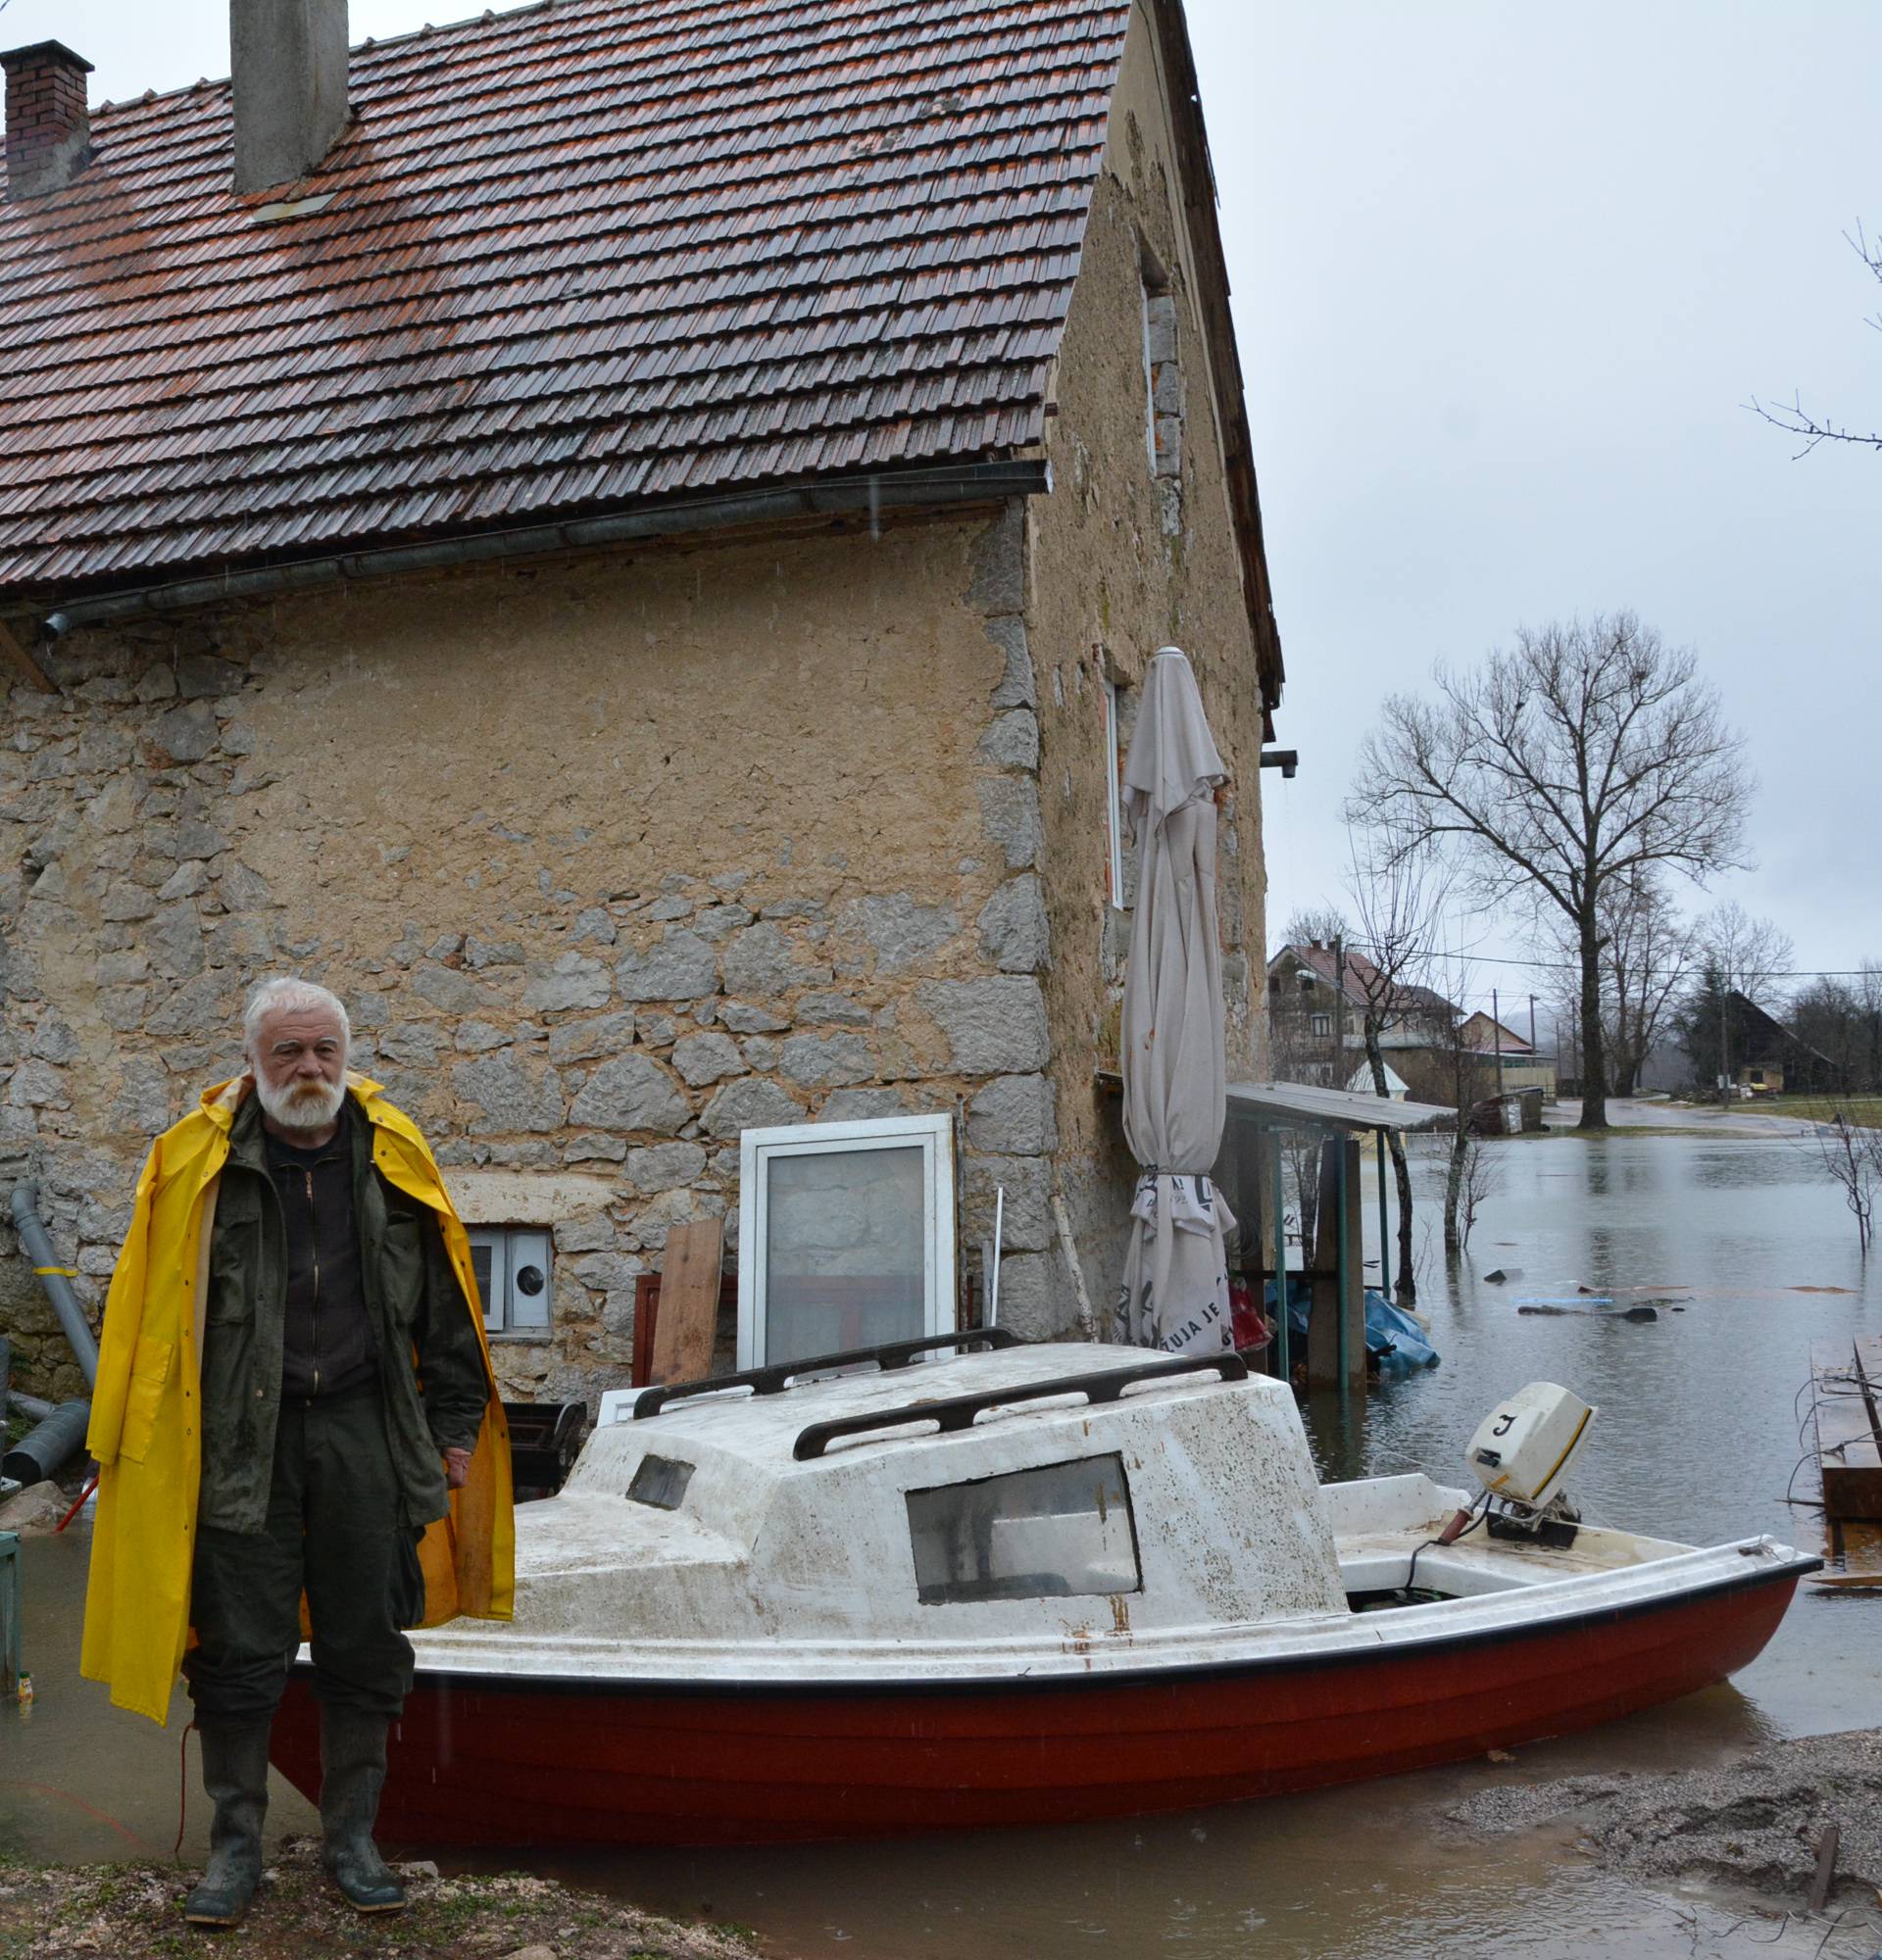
[235, 1777]
[353, 1772]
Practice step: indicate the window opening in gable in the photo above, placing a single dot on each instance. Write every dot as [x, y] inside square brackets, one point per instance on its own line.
[1113, 796]
[1162, 378]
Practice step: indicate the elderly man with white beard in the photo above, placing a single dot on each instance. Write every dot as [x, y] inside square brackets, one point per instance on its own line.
[344, 1389]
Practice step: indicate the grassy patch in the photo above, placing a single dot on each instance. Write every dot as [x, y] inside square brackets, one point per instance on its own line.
[1864, 1111]
[134, 1912]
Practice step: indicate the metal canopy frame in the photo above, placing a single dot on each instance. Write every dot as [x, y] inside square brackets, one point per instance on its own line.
[1273, 1106]
[1299, 1105]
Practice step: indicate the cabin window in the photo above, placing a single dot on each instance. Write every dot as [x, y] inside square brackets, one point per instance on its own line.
[846, 1237]
[1054, 1532]
[512, 1268]
[661, 1480]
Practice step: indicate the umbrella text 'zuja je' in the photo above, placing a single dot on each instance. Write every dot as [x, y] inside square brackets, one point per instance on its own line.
[1175, 1288]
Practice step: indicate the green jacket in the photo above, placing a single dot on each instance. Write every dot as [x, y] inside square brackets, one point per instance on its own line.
[414, 1304]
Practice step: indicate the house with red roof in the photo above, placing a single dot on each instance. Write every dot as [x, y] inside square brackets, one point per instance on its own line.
[620, 535]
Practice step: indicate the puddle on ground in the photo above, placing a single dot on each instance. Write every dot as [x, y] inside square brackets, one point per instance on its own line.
[1696, 1438]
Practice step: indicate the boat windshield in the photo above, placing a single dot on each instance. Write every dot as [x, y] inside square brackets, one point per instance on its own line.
[1060, 1530]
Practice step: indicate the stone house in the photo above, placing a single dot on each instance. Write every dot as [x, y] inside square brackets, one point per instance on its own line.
[628, 556]
[1317, 999]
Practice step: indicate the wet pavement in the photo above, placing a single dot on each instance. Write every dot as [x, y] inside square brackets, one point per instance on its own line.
[1696, 1438]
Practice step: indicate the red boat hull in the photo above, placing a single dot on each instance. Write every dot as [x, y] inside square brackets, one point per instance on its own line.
[509, 1761]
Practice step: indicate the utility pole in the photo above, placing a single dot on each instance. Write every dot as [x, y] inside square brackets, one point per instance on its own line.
[1532, 1027]
[1495, 1024]
[1724, 1051]
[1336, 1079]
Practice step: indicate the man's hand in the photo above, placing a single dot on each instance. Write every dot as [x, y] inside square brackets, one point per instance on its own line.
[457, 1469]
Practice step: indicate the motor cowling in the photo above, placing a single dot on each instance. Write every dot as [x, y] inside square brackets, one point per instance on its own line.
[1521, 1453]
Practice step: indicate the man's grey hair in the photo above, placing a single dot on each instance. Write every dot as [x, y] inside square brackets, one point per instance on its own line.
[284, 992]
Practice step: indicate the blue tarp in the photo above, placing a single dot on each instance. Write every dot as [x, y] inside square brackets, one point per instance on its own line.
[1394, 1340]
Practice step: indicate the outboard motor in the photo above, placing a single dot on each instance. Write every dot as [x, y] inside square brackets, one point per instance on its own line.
[1522, 1453]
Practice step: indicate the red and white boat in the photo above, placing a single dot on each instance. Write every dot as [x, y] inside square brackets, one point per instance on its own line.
[1029, 1585]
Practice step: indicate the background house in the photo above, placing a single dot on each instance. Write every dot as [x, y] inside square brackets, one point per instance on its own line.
[1514, 1061]
[1318, 996]
[630, 557]
[1762, 1055]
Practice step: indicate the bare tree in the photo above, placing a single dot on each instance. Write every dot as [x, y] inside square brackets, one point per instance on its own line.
[1317, 925]
[1587, 754]
[1480, 1177]
[1647, 960]
[1851, 1155]
[1645, 963]
[1753, 956]
[1298, 1053]
[1737, 958]
[1843, 1021]
[1398, 897]
[1794, 420]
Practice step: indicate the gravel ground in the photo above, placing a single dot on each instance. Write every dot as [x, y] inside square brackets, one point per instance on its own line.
[135, 1912]
[1755, 1824]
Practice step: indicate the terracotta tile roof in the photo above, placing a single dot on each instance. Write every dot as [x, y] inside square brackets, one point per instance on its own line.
[586, 252]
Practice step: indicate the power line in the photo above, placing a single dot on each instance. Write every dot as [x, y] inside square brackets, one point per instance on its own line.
[1696, 969]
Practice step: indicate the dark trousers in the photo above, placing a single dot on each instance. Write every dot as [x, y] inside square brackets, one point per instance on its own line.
[333, 1531]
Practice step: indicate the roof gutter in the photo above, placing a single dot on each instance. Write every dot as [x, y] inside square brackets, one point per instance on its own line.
[953, 484]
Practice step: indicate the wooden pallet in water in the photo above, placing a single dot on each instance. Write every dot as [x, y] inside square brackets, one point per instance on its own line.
[1845, 1385]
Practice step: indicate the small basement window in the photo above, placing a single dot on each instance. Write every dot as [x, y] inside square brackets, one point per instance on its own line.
[1054, 1532]
[512, 1268]
[661, 1480]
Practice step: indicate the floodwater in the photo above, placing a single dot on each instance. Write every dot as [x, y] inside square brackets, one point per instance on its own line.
[1697, 1439]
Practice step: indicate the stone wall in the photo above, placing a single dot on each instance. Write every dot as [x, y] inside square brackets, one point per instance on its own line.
[1135, 551]
[612, 858]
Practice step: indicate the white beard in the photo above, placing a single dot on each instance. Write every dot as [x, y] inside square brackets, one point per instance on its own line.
[302, 1106]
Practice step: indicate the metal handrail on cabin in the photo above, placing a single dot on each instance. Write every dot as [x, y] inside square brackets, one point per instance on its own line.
[778, 1376]
[950, 1412]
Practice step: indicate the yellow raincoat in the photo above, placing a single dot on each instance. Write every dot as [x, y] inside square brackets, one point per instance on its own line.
[145, 1423]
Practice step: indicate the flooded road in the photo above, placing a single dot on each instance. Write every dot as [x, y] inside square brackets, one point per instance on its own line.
[1697, 1439]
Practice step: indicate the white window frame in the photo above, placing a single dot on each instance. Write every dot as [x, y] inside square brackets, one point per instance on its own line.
[512, 1246]
[757, 1148]
[1113, 798]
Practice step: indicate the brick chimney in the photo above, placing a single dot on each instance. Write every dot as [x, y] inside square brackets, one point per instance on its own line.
[48, 126]
[288, 60]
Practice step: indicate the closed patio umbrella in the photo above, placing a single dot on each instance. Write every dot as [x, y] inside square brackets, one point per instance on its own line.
[1175, 1288]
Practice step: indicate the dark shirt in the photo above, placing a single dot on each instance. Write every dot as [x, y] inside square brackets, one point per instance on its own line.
[327, 1342]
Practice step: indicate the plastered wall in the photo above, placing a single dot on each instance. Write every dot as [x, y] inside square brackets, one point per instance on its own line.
[611, 859]
[1136, 550]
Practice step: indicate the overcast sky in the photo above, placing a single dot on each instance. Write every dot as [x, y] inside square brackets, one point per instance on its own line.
[1505, 275]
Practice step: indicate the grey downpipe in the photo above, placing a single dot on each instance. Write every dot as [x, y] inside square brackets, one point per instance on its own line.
[53, 1277]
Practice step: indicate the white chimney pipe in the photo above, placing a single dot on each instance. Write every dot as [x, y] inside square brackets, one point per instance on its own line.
[288, 60]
